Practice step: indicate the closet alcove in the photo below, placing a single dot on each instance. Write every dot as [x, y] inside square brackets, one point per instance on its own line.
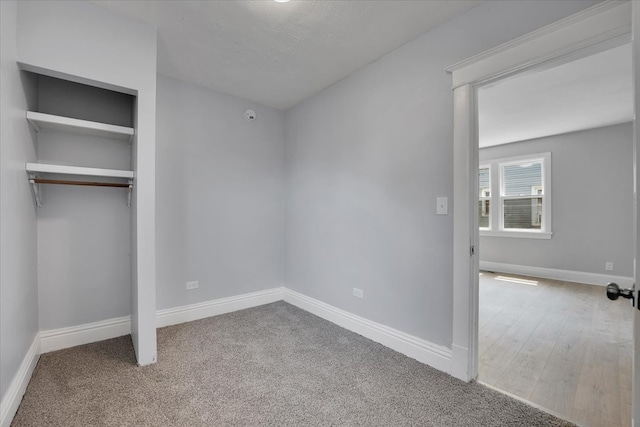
[81, 183]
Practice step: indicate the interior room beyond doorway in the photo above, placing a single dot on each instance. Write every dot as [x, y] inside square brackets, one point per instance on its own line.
[555, 209]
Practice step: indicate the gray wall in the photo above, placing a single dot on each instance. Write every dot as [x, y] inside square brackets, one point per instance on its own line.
[366, 159]
[18, 273]
[84, 233]
[219, 195]
[592, 203]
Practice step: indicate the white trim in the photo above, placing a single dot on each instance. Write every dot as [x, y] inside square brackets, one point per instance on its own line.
[189, 313]
[635, 397]
[498, 197]
[557, 274]
[13, 396]
[423, 351]
[460, 367]
[465, 235]
[42, 121]
[57, 339]
[431, 354]
[77, 170]
[517, 234]
[598, 24]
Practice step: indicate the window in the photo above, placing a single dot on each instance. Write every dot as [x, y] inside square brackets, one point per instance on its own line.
[485, 197]
[519, 190]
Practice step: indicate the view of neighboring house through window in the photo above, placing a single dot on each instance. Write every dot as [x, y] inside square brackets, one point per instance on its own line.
[519, 194]
[522, 195]
[485, 197]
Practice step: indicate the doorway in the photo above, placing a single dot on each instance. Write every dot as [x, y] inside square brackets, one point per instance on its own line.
[553, 159]
[596, 29]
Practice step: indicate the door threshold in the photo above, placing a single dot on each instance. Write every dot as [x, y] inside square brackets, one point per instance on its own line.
[528, 402]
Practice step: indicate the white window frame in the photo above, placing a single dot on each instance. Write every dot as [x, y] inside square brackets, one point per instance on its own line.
[496, 218]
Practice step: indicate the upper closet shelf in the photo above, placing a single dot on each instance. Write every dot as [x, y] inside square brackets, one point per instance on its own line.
[48, 121]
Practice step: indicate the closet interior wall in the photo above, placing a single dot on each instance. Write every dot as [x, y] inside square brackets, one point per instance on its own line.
[84, 233]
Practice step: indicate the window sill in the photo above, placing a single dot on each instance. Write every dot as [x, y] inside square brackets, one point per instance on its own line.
[517, 234]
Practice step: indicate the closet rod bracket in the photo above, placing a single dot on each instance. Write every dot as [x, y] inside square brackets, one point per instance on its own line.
[36, 189]
[129, 193]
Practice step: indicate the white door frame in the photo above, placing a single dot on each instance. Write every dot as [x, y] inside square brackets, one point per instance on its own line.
[595, 29]
[636, 165]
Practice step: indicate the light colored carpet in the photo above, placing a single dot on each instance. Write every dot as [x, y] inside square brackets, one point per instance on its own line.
[271, 365]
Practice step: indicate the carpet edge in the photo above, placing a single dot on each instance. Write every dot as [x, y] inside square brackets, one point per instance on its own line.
[424, 351]
[416, 348]
[58, 339]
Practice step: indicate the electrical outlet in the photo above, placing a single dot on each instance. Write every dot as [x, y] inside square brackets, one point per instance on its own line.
[192, 285]
[358, 293]
[608, 266]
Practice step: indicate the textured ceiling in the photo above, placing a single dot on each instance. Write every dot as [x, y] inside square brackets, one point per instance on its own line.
[279, 54]
[587, 93]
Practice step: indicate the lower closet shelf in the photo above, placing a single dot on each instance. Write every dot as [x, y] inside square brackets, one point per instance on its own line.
[77, 170]
[34, 170]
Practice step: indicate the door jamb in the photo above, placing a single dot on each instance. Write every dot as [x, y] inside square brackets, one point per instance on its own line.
[635, 12]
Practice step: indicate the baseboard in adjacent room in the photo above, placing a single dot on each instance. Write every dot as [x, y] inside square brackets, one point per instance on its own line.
[423, 351]
[556, 274]
[13, 396]
[189, 313]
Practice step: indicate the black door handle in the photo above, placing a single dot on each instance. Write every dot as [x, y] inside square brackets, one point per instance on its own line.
[614, 292]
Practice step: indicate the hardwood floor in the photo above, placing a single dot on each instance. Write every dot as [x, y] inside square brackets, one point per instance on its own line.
[560, 345]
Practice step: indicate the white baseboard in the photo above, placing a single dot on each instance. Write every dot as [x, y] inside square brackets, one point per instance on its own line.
[13, 396]
[437, 356]
[460, 363]
[57, 339]
[189, 313]
[557, 274]
[409, 345]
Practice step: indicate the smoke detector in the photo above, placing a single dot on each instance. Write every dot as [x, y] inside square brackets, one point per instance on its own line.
[250, 115]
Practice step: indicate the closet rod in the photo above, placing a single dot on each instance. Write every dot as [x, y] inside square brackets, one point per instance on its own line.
[87, 183]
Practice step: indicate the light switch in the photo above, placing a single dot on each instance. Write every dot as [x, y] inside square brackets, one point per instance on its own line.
[443, 205]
